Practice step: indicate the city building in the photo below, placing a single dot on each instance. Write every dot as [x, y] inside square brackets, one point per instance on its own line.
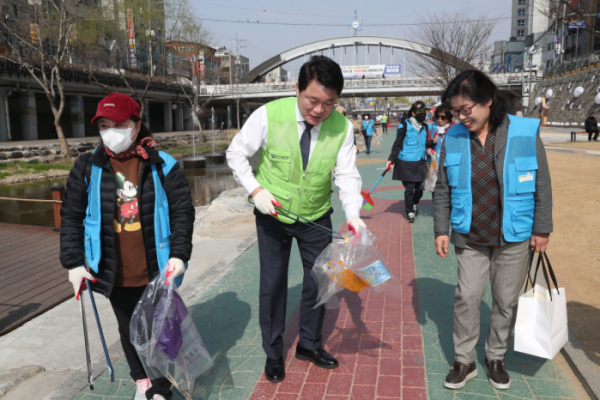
[232, 66]
[277, 75]
[194, 61]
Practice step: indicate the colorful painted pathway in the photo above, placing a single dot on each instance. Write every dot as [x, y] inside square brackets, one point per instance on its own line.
[388, 348]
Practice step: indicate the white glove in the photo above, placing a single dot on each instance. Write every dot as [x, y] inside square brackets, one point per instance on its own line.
[175, 267]
[264, 201]
[77, 276]
[354, 222]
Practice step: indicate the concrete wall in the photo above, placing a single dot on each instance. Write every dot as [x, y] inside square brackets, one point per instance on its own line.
[566, 110]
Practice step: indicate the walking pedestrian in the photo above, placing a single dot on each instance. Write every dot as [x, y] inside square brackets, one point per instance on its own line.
[368, 130]
[494, 191]
[384, 122]
[591, 127]
[409, 158]
[297, 177]
[128, 214]
[442, 122]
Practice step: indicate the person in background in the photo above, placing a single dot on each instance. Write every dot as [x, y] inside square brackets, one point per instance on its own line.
[110, 206]
[368, 130]
[342, 110]
[591, 127]
[384, 122]
[409, 158]
[494, 191]
[301, 141]
[442, 122]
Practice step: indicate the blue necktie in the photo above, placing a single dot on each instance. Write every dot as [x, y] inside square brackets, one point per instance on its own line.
[305, 144]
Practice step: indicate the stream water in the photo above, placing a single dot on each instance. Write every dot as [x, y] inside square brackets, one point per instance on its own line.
[205, 186]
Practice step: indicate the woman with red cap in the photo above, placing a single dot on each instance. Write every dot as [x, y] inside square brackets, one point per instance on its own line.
[127, 214]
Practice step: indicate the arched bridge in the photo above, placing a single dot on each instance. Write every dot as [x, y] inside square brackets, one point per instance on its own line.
[329, 45]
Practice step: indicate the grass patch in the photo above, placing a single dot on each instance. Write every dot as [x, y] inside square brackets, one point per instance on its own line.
[188, 150]
[21, 167]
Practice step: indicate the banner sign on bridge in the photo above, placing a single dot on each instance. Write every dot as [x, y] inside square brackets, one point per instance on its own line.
[372, 71]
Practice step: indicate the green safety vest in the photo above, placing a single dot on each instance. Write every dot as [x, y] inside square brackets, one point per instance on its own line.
[384, 119]
[306, 193]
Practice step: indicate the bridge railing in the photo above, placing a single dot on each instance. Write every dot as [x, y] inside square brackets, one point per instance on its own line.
[243, 89]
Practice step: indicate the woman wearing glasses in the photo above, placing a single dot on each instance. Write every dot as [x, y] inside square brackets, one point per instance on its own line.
[442, 121]
[493, 190]
[409, 158]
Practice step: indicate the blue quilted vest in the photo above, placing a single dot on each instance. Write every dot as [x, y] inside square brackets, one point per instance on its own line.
[414, 144]
[520, 165]
[162, 227]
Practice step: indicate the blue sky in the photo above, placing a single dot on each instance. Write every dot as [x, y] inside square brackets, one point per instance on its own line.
[266, 41]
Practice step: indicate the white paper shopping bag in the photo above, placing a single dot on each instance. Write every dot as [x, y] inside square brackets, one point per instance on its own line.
[541, 327]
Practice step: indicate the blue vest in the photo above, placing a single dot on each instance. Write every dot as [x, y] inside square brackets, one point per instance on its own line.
[414, 144]
[519, 178]
[162, 226]
[368, 126]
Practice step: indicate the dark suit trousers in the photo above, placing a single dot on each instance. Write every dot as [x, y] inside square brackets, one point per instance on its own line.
[274, 246]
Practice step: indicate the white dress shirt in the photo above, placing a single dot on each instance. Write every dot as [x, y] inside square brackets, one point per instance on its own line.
[253, 136]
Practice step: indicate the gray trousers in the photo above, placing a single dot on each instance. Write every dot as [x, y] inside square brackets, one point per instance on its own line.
[506, 267]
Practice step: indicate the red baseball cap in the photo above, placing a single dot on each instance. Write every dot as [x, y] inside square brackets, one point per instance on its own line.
[117, 107]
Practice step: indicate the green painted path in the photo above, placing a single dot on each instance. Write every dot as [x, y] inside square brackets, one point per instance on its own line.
[226, 315]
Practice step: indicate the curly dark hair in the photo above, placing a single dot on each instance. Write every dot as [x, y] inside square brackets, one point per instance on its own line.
[476, 86]
[443, 109]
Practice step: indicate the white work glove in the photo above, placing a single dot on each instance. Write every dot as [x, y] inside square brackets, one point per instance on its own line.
[264, 201]
[77, 276]
[389, 166]
[175, 267]
[354, 222]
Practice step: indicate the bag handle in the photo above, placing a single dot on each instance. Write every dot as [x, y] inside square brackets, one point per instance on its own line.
[550, 271]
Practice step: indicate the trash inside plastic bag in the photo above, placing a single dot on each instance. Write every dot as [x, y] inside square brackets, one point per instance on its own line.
[431, 177]
[355, 265]
[378, 140]
[166, 339]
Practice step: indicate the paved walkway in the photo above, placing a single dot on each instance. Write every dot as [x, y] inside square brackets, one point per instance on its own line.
[388, 348]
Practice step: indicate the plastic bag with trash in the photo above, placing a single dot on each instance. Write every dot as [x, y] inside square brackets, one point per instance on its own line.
[354, 264]
[166, 339]
[431, 177]
[378, 140]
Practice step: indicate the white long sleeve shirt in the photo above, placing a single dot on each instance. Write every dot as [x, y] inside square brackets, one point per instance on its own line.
[253, 136]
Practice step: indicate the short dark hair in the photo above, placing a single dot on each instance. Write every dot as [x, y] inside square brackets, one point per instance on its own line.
[443, 109]
[476, 86]
[324, 70]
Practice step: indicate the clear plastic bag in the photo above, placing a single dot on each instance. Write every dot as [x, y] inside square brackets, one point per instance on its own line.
[378, 140]
[355, 265]
[166, 339]
[431, 177]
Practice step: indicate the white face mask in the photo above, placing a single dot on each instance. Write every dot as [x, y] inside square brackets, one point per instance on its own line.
[117, 140]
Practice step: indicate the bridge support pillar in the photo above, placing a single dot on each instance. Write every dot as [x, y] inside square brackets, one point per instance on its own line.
[4, 117]
[146, 116]
[77, 116]
[28, 115]
[179, 117]
[168, 111]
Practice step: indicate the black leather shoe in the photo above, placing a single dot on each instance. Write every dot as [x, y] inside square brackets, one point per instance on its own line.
[275, 370]
[499, 378]
[459, 375]
[319, 357]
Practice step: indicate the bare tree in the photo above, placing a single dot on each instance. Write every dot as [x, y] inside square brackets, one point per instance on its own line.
[40, 38]
[459, 43]
[150, 24]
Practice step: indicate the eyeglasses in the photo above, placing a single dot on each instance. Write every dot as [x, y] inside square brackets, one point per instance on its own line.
[442, 117]
[464, 111]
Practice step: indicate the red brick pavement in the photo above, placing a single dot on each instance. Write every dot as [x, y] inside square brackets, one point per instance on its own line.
[376, 338]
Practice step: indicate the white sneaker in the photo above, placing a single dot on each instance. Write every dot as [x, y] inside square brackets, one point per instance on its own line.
[142, 386]
[158, 397]
[411, 217]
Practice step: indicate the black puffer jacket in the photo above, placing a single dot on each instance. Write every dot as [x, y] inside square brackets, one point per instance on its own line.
[72, 213]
